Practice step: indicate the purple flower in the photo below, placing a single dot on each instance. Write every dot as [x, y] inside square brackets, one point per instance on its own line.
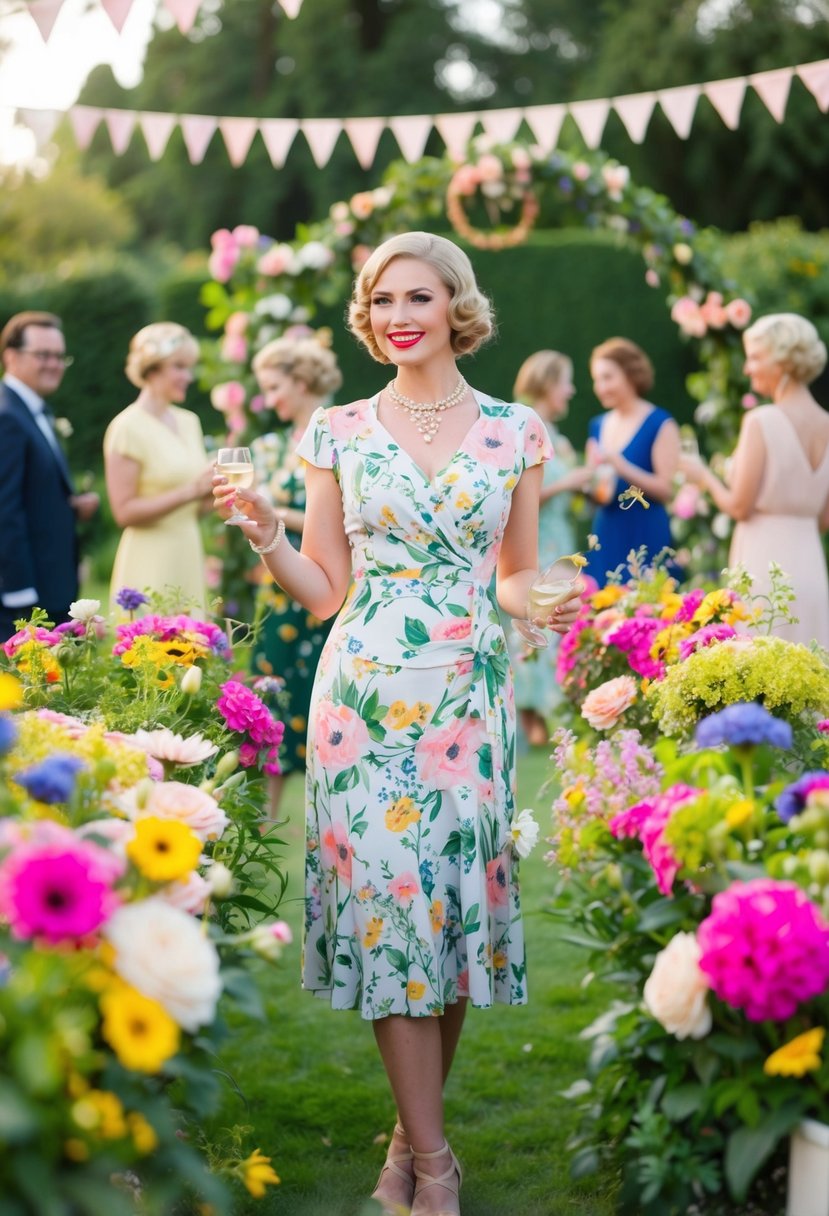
[744, 724]
[8, 732]
[793, 798]
[129, 599]
[53, 780]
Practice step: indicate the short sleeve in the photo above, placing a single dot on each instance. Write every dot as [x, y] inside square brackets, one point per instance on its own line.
[124, 438]
[317, 445]
[537, 445]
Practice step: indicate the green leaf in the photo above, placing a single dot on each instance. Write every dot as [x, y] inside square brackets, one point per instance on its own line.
[346, 780]
[416, 632]
[659, 914]
[677, 1104]
[749, 1147]
[397, 959]
[471, 921]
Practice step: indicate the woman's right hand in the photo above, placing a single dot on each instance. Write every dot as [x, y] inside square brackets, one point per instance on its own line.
[261, 527]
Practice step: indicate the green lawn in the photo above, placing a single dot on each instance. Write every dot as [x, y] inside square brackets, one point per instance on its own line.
[316, 1099]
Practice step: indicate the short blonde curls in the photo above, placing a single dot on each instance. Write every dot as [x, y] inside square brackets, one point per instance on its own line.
[153, 345]
[305, 359]
[470, 312]
[792, 342]
[540, 372]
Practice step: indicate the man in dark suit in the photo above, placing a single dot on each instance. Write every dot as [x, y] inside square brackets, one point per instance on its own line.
[38, 505]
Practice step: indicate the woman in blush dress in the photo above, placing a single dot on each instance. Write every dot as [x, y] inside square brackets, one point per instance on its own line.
[419, 494]
[778, 489]
[637, 444]
[545, 381]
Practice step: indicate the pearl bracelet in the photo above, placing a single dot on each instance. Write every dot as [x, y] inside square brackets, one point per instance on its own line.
[280, 532]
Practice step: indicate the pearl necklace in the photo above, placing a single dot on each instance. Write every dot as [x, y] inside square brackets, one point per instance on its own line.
[426, 415]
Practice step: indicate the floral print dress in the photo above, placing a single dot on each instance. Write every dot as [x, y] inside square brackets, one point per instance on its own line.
[411, 885]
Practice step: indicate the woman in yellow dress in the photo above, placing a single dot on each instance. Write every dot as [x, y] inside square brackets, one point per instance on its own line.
[157, 472]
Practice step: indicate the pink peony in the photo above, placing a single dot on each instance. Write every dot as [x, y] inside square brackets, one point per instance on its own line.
[340, 735]
[738, 312]
[237, 324]
[604, 706]
[404, 887]
[245, 235]
[444, 755]
[451, 629]
[222, 263]
[228, 397]
[712, 311]
[748, 401]
[185, 803]
[348, 420]
[765, 948]
[492, 442]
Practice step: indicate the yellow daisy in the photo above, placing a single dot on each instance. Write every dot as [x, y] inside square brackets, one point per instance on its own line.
[139, 1030]
[257, 1173]
[164, 849]
[798, 1056]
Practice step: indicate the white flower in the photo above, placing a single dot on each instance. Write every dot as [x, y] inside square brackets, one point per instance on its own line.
[187, 804]
[269, 940]
[220, 879]
[163, 953]
[683, 253]
[164, 744]
[277, 306]
[64, 428]
[315, 256]
[382, 196]
[190, 894]
[706, 412]
[84, 610]
[616, 178]
[524, 833]
[676, 990]
[721, 525]
[191, 680]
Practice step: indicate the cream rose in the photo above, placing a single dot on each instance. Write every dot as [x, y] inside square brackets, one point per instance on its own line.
[676, 990]
[163, 953]
[604, 706]
[175, 800]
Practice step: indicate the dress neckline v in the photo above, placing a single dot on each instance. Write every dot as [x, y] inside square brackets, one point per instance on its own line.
[799, 445]
[431, 482]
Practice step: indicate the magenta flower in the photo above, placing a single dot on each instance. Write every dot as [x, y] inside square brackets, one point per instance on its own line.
[765, 948]
[690, 603]
[58, 891]
[247, 714]
[704, 637]
[646, 822]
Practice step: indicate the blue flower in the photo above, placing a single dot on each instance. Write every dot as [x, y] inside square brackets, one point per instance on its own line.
[129, 599]
[53, 780]
[8, 732]
[354, 645]
[743, 724]
[793, 798]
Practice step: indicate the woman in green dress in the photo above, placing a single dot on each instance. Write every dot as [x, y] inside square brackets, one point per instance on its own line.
[545, 381]
[296, 376]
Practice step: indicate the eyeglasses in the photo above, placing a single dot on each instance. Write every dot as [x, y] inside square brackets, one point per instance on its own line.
[48, 356]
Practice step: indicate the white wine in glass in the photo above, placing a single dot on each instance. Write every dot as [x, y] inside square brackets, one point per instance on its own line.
[549, 588]
[236, 465]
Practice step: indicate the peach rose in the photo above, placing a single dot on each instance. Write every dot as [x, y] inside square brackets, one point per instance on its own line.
[340, 735]
[604, 706]
[445, 756]
[738, 312]
[676, 990]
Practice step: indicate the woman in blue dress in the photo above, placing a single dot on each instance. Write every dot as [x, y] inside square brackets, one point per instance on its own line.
[639, 443]
[545, 381]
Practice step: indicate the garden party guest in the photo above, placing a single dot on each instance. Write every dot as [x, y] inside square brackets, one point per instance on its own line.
[778, 490]
[637, 444]
[545, 381]
[296, 376]
[419, 494]
[157, 472]
[39, 508]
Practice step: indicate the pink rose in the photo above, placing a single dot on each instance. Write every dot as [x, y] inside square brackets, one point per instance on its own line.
[581, 171]
[245, 235]
[651, 277]
[685, 504]
[348, 420]
[337, 851]
[451, 629]
[604, 706]
[190, 894]
[237, 324]
[228, 397]
[222, 263]
[339, 734]
[276, 260]
[221, 239]
[404, 887]
[615, 178]
[738, 312]
[713, 313]
[185, 803]
[234, 348]
[492, 443]
[445, 754]
[466, 180]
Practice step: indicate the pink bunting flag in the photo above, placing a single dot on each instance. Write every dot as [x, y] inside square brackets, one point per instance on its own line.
[238, 135]
[501, 125]
[545, 124]
[41, 123]
[278, 134]
[726, 96]
[85, 121]
[120, 124]
[456, 131]
[773, 90]
[321, 135]
[197, 130]
[411, 132]
[291, 7]
[635, 111]
[183, 12]
[44, 13]
[156, 129]
[364, 134]
[590, 118]
[117, 11]
[815, 76]
[679, 106]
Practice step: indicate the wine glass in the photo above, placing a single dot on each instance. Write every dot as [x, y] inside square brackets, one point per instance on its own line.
[549, 587]
[236, 465]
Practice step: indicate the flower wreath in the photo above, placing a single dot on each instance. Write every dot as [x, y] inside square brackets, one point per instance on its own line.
[488, 174]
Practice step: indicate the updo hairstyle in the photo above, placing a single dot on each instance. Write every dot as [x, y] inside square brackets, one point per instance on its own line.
[792, 342]
[156, 343]
[305, 359]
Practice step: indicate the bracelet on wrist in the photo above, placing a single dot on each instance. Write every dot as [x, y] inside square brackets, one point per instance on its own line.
[274, 544]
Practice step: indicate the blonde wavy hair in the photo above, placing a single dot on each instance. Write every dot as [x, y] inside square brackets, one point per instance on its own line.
[470, 312]
[540, 372]
[790, 341]
[305, 359]
[154, 345]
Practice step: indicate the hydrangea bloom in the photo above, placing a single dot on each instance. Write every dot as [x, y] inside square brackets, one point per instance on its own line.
[743, 724]
[53, 780]
[765, 948]
[792, 799]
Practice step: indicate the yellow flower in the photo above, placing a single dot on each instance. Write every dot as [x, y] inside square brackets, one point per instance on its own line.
[739, 813]
[374, 929]
[671, 604]
[436, 915]
[411, 572]
[574, 795]
[797, 1057]
[111, 1124]
[75, 1149]
[388, 518]
[578, 560]
[401, 815]
[463, 502]
[11, 692]
[499, 960]
[607, 596]
[139, 1030]
[143, 1134]
[415, 990]
[400, 715]
[631, 495]
[288, 633]
[298, 723]
[450, 478]
[164, 849]
[714, 603]
[257, 1173]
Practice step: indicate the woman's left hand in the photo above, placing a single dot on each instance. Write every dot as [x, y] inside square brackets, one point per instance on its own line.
[693, 467]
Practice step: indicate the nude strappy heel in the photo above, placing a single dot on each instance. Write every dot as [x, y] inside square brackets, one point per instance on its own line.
[450, 1179]
[393, 1163]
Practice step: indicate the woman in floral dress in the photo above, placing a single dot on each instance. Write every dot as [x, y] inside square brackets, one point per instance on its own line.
[296, 375]
[419, 494]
